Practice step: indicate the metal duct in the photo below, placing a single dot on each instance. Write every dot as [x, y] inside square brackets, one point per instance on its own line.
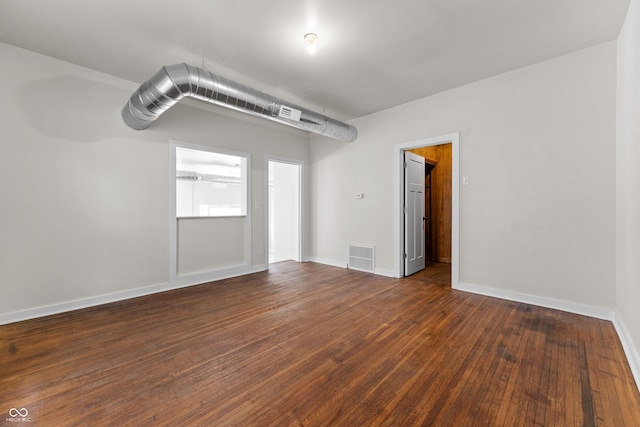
[173, 82]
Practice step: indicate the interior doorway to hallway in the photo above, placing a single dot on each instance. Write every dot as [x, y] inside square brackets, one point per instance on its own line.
[399, 206]
[437, 201]
[284, 211]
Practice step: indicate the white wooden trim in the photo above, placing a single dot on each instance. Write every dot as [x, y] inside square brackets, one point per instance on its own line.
[582, 309]
[301, 210]
[173, 220]
[556, 304]
[174, 277]
[630, 350]
[327, 261]
[385, 272]
[343, 264]
[398, 195]
[66, 306]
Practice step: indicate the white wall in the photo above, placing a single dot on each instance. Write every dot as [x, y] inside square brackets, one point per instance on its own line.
[210, 244]
[628, 184]
[84, 212]
[538, 145]
[85, 201]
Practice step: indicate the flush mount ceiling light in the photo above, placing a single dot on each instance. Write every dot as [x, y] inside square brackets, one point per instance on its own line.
[311, 39]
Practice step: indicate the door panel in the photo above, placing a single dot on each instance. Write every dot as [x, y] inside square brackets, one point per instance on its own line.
[414, 244]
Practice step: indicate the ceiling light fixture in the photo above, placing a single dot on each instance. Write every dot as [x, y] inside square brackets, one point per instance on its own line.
[311, 39]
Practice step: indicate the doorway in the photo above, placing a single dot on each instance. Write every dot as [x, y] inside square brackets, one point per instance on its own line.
[437, 198]
[399, 197]
[284, 211]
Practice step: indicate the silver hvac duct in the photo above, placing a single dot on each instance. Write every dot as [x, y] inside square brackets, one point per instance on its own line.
[173, 82]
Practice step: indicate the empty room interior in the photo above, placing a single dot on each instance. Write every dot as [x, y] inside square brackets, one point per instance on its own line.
[313, 213]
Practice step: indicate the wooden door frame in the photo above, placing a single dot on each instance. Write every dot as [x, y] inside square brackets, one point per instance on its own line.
[398, 217]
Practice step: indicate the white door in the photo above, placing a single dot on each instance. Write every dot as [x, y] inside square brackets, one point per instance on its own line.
[413, 213]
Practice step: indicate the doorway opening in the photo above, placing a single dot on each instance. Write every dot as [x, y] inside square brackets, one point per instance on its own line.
[445, 249]
[437, 201]
[284, 211]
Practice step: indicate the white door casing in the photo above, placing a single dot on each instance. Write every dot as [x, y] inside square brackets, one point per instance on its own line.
[398, 204]
[293, 186]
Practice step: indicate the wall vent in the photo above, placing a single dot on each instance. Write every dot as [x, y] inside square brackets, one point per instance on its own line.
[361, 257]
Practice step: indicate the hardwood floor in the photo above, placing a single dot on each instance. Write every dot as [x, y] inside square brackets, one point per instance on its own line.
[307, 344]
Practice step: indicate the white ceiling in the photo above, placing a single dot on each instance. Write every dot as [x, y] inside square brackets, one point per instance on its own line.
[372, 54]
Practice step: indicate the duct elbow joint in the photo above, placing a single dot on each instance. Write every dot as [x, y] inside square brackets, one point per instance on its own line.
[173, 82]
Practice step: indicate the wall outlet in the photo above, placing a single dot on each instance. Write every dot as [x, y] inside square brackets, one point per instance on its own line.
[261, 250]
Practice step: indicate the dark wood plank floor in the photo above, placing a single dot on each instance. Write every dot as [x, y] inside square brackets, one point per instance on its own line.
[307, 344]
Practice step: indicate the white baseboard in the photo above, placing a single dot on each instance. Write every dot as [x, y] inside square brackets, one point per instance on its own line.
[630, 350]
[343, 264]
[385, 272]
[326, 261]
[568, 306]
[184, 281]
[212, 276]
[180, 282]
